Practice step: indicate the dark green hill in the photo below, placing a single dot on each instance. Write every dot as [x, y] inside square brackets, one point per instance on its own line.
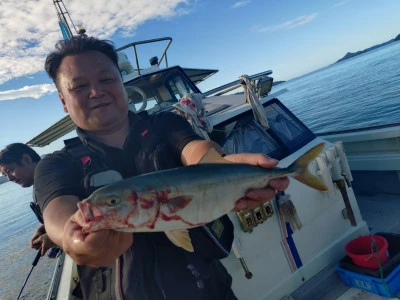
[352, 54]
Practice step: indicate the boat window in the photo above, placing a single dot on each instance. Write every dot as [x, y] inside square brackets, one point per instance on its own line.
[286, 134]
[285, 127]
[247, 135]
[162, 88]
[179, 87]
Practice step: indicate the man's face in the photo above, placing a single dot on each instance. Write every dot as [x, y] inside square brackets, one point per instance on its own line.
[21, 174]
[92, 92]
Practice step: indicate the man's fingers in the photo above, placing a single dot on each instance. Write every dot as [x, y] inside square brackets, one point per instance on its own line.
[279, 184]
[253, 159]
[254, 198]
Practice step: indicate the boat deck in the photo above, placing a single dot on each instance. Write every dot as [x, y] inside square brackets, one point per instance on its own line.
[381, 212]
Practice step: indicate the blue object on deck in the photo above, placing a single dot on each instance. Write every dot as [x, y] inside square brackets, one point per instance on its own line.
[370, 280]
[372, 284]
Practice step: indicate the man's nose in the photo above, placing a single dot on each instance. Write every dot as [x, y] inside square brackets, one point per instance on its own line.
[96, 90]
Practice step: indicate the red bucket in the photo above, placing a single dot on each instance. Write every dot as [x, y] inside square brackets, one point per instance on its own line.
[363, 253]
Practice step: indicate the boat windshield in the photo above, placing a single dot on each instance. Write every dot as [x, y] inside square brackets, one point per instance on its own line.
[160, 89]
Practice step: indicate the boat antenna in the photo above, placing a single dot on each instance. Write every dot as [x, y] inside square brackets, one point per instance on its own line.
[35, 261]
[65, 22]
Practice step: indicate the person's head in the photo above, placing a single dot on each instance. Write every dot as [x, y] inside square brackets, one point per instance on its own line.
[86, 74]
[18, 162]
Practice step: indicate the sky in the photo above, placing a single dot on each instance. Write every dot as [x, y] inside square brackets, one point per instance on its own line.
[289, 37]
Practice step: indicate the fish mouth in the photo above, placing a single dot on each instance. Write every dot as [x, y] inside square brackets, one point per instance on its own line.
[86, 211]
[89, 215]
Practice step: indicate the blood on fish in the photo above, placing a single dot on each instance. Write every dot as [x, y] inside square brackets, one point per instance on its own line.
[145, 203]
[176, 218]
[162, 196]
[133, 196]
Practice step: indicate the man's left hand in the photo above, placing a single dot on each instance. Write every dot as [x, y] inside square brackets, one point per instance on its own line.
[254, 197]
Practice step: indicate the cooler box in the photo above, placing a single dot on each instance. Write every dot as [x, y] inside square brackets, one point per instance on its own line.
[370, 280]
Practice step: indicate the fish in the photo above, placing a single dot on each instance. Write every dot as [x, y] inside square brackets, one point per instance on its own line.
[178, 199]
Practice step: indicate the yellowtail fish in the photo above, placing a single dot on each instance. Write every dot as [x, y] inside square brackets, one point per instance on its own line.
[177, 199]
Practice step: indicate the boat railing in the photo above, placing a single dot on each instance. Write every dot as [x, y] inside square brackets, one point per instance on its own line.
[134, 44]
[223, 89]
[359, 129]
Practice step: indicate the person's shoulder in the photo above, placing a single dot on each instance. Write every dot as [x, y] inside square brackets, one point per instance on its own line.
[56, 159]
[56, 155]
[168, 116]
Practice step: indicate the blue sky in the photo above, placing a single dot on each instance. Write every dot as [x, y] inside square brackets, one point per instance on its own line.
[290, 37]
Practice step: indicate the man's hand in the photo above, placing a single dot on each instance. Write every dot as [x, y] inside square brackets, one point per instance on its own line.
[41, 240]
[63, 223]
[94, 249]
[254, 197]
[38, 232]
[196, 151]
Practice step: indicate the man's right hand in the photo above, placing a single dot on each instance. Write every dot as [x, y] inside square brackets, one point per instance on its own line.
[94, 249]
[63, 223]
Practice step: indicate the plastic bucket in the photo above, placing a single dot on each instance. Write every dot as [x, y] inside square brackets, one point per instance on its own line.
[363, 253]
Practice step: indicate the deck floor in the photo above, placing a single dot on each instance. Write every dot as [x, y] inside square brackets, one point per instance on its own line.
[382, 214]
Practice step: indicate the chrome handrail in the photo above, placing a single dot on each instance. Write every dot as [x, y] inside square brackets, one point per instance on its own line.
[234, 84]
[134, 44]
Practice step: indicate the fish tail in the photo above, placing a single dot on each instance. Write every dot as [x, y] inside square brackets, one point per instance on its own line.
[302, 174]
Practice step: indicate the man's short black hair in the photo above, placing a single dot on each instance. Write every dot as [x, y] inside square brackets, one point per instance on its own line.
[13, 154]
[78, 44]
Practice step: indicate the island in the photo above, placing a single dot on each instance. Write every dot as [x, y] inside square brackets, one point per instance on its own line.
[351, 54]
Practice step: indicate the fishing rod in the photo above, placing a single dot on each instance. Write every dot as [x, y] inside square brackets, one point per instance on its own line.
[35, 261]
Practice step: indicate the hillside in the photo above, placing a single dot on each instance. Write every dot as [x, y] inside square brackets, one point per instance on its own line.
[352, 54]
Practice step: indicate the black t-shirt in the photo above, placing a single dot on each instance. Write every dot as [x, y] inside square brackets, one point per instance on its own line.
[57, 175]
[152, 266]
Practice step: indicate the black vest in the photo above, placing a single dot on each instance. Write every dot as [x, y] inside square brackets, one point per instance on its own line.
[211, 242]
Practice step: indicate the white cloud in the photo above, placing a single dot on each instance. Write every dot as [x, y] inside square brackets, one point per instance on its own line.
[29, 29]
[288, 24]
[34, 91]
[338, 4]
[240, 3]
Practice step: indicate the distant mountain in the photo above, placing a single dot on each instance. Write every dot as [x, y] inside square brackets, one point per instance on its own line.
[351, 54]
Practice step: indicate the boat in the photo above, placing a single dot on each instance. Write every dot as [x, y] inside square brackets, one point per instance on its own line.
[287, 248]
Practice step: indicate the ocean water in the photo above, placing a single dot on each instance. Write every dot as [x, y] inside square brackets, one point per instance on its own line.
[18, 224]
[358, 92]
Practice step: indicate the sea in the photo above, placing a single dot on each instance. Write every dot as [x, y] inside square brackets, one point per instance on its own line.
[358, 92]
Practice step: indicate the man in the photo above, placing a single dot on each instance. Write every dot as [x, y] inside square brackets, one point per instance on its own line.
[140, 265]
[18, 162]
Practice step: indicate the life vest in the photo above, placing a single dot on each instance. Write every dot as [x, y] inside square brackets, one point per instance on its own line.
[151, 156]
[211, 241]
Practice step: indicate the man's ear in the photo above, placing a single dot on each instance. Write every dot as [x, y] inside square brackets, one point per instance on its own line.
[63, 102]
[26, 159]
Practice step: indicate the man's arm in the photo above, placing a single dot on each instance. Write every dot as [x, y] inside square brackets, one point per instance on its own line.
[195, 150]
[62, 221]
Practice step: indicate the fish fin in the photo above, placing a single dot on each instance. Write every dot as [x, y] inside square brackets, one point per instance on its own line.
[177, 203]
[213, 157]
[300, 167]
[180, 238]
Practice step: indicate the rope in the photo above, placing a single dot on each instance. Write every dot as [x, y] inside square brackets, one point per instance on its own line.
[252, 99]
[192, 108]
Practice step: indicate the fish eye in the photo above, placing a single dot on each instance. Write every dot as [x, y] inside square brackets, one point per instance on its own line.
[112, 201]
